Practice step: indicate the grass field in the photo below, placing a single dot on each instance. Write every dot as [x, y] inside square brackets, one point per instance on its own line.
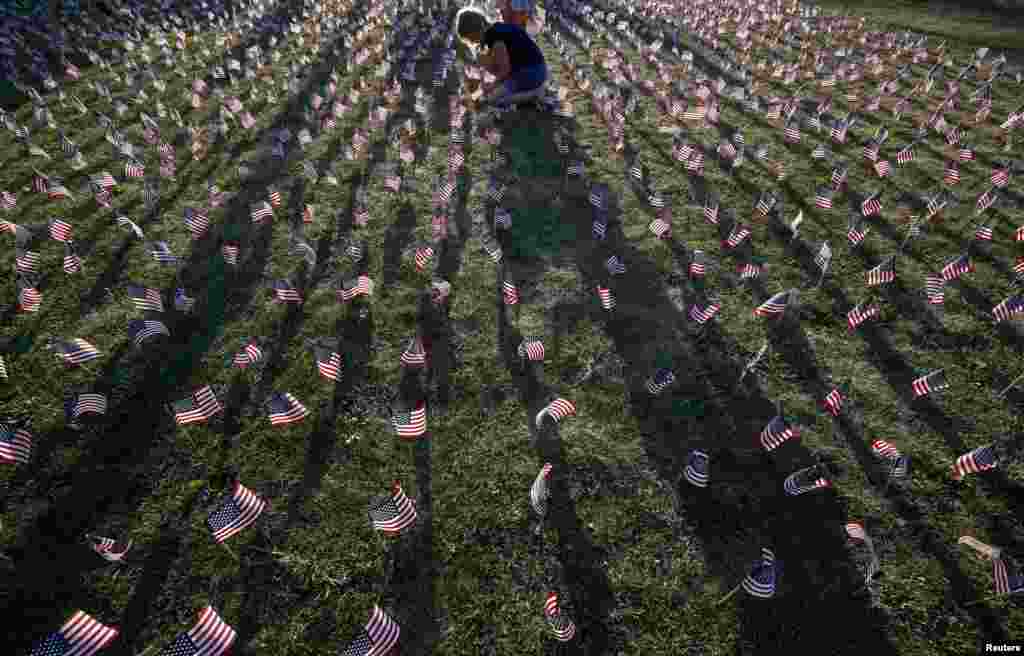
[639, 556]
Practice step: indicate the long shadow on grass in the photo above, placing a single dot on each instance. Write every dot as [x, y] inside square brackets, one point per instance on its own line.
[135, 425]
[590, 600]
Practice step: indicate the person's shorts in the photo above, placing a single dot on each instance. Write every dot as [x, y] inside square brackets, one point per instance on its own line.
[526, 79]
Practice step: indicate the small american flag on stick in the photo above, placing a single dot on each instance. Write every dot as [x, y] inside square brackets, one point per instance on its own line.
[236, 513]
[410, 424]
[558, 410]
[377, 638]
[283, 408]
[561, 626]
[391, 514]
[81, 635]
[210, 636]
[539, 492]
[973, 462]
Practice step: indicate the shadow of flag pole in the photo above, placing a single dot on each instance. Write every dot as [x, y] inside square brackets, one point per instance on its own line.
[730, 594]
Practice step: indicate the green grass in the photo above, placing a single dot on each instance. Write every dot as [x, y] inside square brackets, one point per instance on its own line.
[328, 568]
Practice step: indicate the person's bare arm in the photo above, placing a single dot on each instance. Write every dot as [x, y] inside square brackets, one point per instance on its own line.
[502, 65]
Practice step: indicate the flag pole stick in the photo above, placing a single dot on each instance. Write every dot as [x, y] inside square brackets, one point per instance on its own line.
[230, 552]
[729, 596]
[146, 650]
[1010, 386]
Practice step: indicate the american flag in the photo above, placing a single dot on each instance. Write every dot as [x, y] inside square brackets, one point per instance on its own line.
[976, 461]
[361, 286]
[509, 292]
[934, 288]
[856, 532]
[377, 638]
[839, 175]
[235, 513]
[737, 235]
[986, 200]
[861, 313]
[711, 213]
[951, 174]
[883, 168]
[557, 409]
[76, 351]
[328, 363]
[539, 492]
[749, 270]
[60, 230]
[776, 305]
[1003, 581]
[660, 229]
[273, 197]
[805, 480]
[145, 299]
[765, 203]
[88, 403]
[957, 267]
[260, 211]
[422, 257]
[411, 423]
[931, 382]
[134, 170]
[833, 402]
[211, 636]
[1000, 176]
[72, 261]
[414, 355]
[966, 153]
[884, 450]
[15, 444]
[394, 513]
[196, 221]
[285, 292]
[615, 265]
[905, 155]
[1008, 308]
[882, 274]
[161, 252]
[824, 256]
[26, 261]
[871, 205]
[661, 380]
[201, 406]
[532, 349]
[104, 180]
[8, 201]
[230, 254]
[283, 408]
[109, 549]
[561, 626]
[139, 331]
[702, 315]
[823, 198]
[29, 299]
[776, 433]
[697, 468]
[81, 635]
[249, 354]
[760, 582]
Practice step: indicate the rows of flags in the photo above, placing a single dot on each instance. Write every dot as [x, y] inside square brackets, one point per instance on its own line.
[242, 507]
[585, 25]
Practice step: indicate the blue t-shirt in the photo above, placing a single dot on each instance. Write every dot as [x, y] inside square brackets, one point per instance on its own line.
[522, 51]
